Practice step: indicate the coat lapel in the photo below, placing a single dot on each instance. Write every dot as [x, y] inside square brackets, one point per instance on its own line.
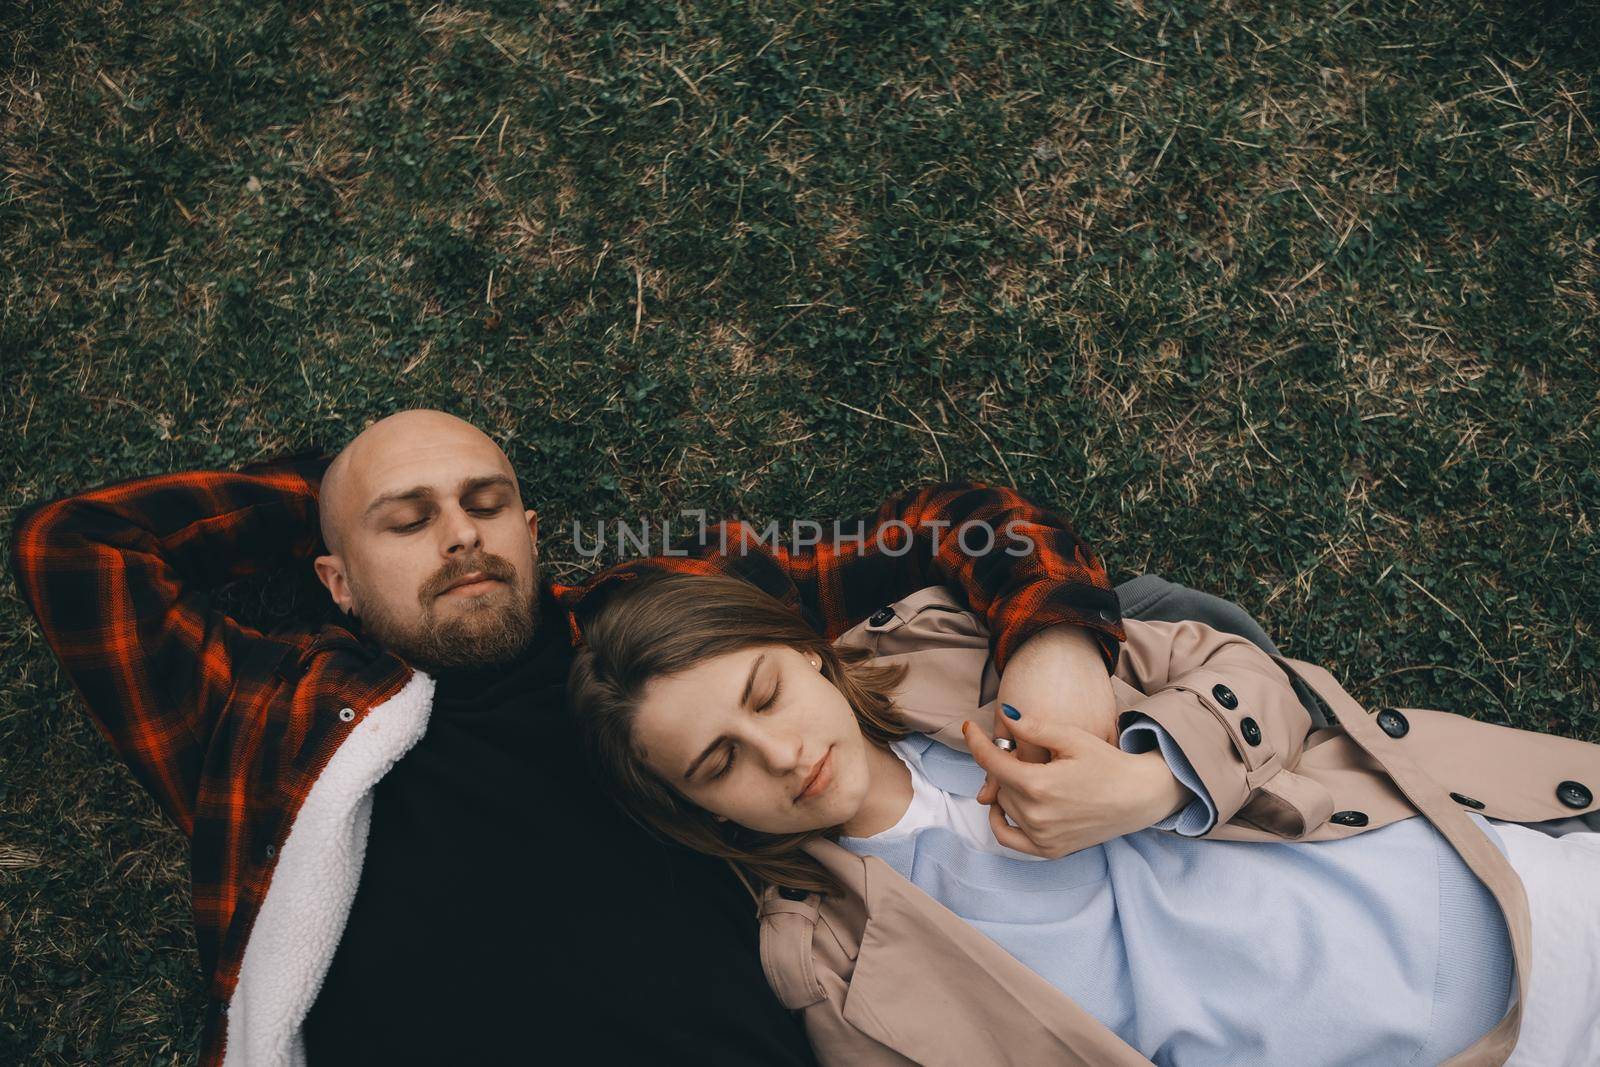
[930, 986]
[314, 885]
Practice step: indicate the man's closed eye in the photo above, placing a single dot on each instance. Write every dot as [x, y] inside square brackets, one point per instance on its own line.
[412, 527]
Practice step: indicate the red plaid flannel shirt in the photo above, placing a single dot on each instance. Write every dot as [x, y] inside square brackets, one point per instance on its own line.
[228, 727]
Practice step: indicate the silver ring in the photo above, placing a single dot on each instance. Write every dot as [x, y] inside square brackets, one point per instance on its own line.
[1005, 744]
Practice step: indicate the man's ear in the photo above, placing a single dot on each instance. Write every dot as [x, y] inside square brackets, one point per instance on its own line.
[330, 572]
[533, 528]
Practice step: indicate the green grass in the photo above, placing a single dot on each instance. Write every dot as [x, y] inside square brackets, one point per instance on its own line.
[1291, 302]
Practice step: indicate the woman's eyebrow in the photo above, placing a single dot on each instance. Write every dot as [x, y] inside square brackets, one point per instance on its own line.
[744, 701]
[749, 683]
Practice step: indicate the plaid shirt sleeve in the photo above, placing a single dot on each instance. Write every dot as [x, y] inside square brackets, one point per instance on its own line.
[1027, 569]
[119, 579]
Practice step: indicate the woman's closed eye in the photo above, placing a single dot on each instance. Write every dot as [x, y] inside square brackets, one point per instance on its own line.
[765, 704]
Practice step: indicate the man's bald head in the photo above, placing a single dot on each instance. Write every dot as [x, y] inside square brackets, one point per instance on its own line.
[416, 505]
[416, 430]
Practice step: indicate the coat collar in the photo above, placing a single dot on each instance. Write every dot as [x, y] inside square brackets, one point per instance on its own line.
[314, 884]
[913, 957]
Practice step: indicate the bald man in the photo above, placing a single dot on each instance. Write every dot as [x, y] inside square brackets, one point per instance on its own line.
[399, 854]
[388, 499]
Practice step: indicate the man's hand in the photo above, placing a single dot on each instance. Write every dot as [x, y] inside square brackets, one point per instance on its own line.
[1058, 674]
[1089, 792]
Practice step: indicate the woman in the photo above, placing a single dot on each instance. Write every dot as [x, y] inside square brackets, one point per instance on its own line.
[726, 724]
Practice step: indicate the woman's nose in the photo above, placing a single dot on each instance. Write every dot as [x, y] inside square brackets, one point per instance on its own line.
[780, 751]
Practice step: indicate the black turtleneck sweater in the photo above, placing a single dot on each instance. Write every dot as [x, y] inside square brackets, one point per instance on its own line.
[508, 912]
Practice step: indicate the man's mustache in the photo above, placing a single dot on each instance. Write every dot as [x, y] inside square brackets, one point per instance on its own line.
[487, 564]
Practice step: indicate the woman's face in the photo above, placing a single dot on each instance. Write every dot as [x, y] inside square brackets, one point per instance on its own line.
[744, 735]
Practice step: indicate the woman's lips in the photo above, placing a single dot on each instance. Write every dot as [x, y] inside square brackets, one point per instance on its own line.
[820, 778]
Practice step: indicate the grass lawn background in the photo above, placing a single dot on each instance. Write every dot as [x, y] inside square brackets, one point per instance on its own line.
[1295, 303]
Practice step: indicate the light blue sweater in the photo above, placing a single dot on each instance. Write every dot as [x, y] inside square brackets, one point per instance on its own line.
[1381, 949]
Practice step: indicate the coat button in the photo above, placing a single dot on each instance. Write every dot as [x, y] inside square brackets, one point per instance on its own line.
[1349, 818]
[881, 616]
[1252, 732]
[1468, 801]
[1393, 723]
[1574, 794]
[792, 894]
[1225, 696]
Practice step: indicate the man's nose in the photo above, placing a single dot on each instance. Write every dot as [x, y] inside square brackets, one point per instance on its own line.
[460, 532]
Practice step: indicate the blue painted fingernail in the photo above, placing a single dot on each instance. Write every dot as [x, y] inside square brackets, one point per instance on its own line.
[1011, 712]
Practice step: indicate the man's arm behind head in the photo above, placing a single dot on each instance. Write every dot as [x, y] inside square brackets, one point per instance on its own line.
[122, 579]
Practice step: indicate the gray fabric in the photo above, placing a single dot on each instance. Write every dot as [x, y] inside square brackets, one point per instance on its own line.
[1150, 596]
[1576, 824]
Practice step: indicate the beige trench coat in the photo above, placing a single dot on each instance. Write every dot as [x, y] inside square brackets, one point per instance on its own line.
[885, 975]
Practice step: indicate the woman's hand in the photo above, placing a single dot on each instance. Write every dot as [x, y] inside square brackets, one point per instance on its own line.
[1090, 791]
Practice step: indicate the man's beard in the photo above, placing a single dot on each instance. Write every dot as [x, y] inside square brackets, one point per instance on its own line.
[478, 635]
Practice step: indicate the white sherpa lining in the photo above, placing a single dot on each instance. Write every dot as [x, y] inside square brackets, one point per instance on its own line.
[303, 914]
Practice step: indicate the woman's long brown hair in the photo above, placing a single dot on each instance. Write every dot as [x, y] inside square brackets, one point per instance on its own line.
[661, 624]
